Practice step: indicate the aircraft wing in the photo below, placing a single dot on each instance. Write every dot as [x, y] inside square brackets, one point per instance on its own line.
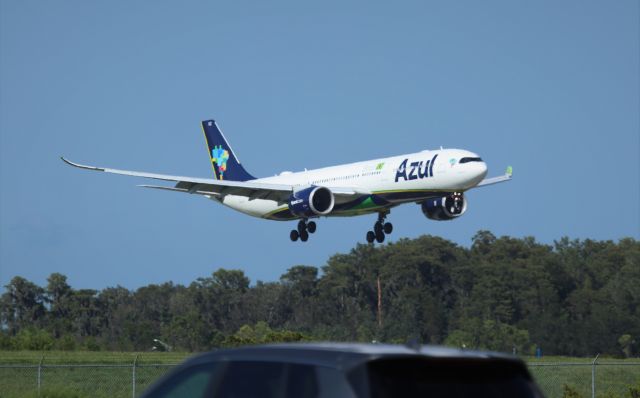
[495, 180]
[219, 188]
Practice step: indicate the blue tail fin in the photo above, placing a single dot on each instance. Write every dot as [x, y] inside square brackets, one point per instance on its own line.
[224, 162]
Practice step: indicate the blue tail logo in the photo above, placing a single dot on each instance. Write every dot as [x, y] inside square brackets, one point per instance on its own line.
[224, 162]
[220, 156]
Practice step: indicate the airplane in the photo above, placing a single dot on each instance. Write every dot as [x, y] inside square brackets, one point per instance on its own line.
[435, 179]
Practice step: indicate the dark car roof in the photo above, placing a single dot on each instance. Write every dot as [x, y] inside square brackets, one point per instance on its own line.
[342, 355]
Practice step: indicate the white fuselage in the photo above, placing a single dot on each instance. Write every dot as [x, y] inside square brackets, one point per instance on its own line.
[397, 179]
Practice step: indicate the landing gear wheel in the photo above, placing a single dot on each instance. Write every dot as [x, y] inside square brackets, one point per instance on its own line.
[303, 230]
[371, 236]
[377, 228]
[302, 226]
[380, 229]
[311, 227]
[388, 228]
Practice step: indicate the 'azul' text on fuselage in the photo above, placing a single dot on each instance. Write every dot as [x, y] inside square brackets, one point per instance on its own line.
[415, 170]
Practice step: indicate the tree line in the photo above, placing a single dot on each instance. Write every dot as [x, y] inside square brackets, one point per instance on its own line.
[575, 297]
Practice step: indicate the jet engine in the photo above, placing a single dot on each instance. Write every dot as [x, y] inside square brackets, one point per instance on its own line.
[445, 208]
[311, 202]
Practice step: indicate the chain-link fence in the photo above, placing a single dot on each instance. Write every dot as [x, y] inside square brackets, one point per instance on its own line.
[596, 379]
[79, 380]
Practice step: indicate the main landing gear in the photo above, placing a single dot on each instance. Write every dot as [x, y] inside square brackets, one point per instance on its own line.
[304, 229]
[380, 229]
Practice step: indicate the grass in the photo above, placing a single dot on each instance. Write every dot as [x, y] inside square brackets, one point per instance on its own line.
[80, 382]
[82, 377]
[613, 377]
[90, 357]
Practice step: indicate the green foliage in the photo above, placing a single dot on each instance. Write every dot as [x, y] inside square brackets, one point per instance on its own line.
[573, 298]
[261, 333]
[65, 343]
[570, 392]
[91, 344]
[32, 339]
[634, 391]
[489, 335]
[5, 341]
[627, 344]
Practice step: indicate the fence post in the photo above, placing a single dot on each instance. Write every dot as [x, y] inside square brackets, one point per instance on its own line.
[593, 377]
[133, 387]
[40, 373]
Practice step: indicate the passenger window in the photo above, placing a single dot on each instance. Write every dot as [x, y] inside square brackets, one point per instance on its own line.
[301, 382]
[249, 379]
[333, 383]
[191, 382]
[245, 379]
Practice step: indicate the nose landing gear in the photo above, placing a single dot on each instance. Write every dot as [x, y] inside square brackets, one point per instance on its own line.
[304, 229]
[380, 229]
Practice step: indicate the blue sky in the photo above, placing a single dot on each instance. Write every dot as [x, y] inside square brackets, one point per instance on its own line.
[551, 88]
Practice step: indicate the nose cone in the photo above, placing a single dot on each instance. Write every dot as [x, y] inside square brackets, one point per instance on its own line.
[477, 171]
[482, 170]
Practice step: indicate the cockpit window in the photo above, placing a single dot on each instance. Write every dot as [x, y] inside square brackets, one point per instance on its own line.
[467, 160]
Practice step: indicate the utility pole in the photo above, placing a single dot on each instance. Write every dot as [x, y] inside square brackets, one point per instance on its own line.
[379, 304]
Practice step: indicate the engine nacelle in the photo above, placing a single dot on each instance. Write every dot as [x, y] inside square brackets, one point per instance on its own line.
[312, 201]
[445, 208]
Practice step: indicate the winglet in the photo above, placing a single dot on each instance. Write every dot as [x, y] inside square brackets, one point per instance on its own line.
[80, 166]
[494, 180]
